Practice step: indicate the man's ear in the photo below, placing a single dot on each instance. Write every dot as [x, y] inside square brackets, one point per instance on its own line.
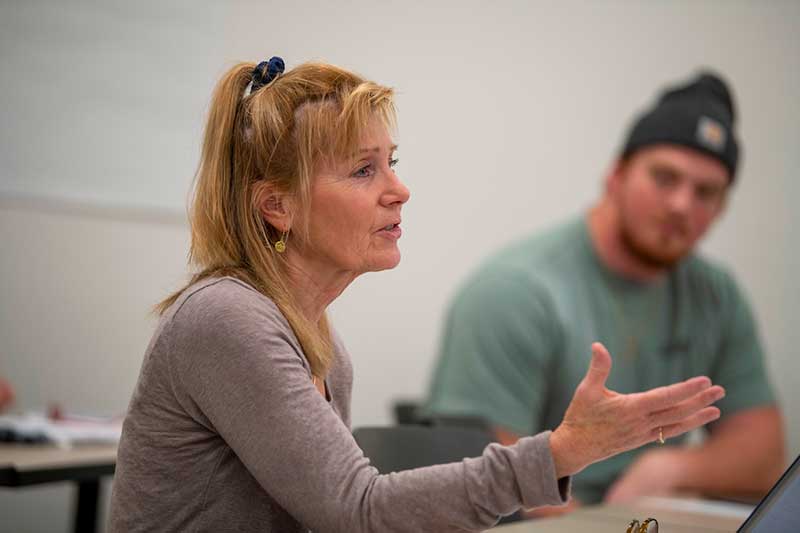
[275, 206]
[615, 175]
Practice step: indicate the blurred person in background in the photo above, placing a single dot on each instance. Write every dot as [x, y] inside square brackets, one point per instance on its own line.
[626, 273]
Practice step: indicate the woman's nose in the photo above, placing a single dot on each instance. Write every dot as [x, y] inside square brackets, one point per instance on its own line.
[397, 192]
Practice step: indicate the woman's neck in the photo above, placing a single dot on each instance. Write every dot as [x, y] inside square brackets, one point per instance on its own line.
[314, 287]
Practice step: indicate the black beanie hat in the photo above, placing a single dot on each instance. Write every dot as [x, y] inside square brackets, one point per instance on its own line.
[699, 114]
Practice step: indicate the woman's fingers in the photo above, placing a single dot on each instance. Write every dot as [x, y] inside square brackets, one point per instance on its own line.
[599, 423]
[677, 413]
[700, 418]
[662, 398]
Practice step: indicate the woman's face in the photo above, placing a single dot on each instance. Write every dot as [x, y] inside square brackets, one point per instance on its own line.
[354, 220]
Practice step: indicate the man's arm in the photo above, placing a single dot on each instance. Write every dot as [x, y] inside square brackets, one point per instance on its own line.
[745, 453]
[741, 459]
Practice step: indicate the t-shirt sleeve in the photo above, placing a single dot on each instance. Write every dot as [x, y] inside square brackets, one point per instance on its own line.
[496, 351]
[235, 364]
[739, 366]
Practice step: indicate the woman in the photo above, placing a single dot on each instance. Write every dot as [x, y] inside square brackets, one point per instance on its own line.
[240, 419]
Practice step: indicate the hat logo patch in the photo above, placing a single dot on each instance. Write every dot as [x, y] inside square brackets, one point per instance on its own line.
[711, 134]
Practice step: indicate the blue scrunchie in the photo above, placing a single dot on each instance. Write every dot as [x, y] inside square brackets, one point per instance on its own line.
[266, 71]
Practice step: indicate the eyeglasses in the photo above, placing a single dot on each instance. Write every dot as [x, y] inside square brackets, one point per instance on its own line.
[650, 525]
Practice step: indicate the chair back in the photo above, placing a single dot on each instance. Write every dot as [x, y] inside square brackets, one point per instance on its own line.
[410, 411]
[395, 448]
[405, 447]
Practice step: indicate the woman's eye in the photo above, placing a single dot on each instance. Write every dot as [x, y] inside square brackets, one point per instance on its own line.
[393, 162]
[363, 172]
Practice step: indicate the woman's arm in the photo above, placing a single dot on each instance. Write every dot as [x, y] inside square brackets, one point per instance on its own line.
[239, 367]
[236, 365]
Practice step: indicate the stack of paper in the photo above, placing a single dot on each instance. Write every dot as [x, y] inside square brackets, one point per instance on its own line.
[65, 431]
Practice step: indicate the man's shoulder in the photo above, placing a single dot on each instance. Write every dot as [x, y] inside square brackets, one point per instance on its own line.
[546, 252]
[532, 271]
[703, 274]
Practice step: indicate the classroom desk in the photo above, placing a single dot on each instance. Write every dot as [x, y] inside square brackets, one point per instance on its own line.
[33, 464]
[672, 518]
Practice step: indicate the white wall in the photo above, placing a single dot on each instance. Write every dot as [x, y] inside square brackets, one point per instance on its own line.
[509, 113]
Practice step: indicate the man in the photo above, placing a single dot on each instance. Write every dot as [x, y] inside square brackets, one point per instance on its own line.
[517, 336]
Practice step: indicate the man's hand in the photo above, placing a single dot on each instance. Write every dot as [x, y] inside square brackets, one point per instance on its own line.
[654, 473]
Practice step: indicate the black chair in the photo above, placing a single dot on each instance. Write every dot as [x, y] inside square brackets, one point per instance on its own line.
[396, 448]
[408, 411]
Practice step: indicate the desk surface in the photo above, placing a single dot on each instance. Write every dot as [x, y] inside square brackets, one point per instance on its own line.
[29, 464]
[615, 519]
[25, 464]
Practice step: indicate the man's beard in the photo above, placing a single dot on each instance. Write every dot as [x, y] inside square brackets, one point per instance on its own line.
[648, 257]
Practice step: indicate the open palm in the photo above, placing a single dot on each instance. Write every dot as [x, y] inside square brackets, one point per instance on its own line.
[600, 423]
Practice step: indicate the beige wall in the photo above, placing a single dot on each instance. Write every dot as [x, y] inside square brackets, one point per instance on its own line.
[76, 286]
[509, 114]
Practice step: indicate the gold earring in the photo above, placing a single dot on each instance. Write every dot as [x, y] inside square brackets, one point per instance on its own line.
[280, 246]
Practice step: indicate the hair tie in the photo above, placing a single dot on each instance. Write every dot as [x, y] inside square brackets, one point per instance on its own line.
[265, 72]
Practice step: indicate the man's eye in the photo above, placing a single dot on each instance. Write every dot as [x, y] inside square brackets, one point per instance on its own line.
[393, 162]
[663, 177]
[708, 194]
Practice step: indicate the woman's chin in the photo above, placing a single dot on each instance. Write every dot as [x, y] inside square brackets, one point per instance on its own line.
[385, 262]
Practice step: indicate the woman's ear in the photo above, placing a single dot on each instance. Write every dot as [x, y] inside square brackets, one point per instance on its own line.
[275, 206]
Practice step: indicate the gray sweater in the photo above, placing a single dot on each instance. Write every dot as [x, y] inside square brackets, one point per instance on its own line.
[226, 432]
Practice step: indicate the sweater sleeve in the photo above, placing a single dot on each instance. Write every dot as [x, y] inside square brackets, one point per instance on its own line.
[237, 368]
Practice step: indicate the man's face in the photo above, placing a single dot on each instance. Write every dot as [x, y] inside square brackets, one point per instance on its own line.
[667, 197]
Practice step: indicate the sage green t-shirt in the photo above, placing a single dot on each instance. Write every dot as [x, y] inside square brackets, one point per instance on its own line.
[517, 338]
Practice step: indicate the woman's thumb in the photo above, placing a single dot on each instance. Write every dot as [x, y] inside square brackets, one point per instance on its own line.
[599, 367]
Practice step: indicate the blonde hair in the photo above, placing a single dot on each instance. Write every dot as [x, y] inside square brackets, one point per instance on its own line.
[275, 135]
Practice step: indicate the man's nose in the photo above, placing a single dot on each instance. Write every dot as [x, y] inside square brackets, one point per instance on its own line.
[681, 199]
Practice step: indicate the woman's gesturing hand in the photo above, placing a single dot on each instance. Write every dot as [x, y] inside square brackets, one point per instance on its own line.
[600, 423]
